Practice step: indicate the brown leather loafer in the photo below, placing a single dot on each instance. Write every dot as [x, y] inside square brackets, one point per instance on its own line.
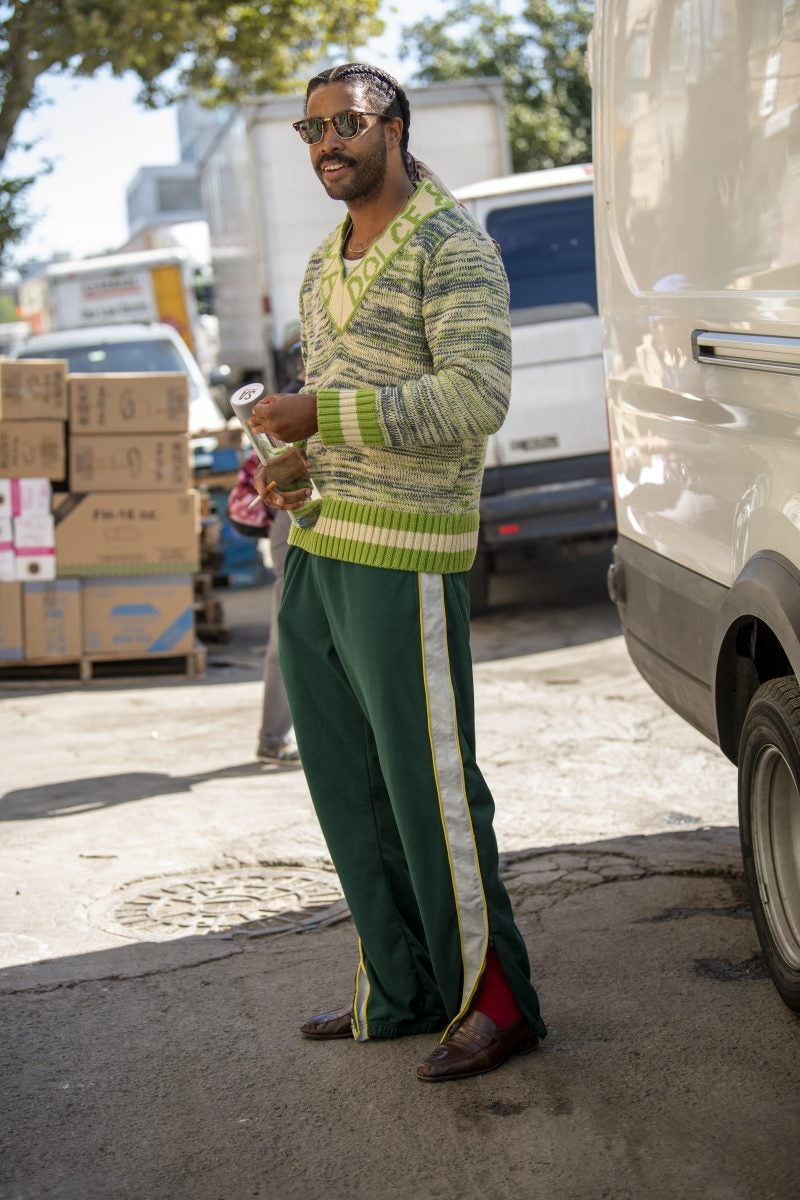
[329, 1025]
[476, 1046]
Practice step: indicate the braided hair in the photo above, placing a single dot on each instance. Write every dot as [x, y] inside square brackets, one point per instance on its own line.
[382, 92]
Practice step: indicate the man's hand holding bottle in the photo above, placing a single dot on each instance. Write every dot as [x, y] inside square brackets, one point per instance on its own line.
[287, 418]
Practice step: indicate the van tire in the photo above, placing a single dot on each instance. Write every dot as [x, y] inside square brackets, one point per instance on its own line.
[479, 584]
[769, 823]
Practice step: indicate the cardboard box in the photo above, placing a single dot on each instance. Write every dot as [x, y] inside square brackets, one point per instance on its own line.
[8, 559]
[127, 533]
[126, 403]
[23, 497]
[33, 389]
[52, 619]
[11, 644]
[138, 617]
[31, 449]
[147, 462]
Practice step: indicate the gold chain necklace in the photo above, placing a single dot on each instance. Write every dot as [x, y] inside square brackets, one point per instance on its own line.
[360, 251]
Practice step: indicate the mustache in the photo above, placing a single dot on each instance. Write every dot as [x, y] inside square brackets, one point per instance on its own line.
[335, 160]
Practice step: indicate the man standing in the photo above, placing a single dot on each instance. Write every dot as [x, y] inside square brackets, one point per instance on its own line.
[405, 329]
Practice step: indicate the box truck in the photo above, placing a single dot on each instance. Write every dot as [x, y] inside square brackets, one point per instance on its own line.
[128, 312]
[114, 289]
[697, 175]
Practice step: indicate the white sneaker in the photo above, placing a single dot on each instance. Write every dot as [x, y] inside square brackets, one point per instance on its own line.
[286, 755]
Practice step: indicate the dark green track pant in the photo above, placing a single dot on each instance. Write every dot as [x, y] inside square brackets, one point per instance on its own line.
[378, 672]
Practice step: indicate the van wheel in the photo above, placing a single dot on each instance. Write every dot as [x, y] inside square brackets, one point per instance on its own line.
[479, 585]
[769, 821]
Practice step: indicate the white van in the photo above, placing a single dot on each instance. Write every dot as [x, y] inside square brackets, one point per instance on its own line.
[697, 175]
[547, 474]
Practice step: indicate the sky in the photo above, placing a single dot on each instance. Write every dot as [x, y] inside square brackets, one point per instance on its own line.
[97, 137]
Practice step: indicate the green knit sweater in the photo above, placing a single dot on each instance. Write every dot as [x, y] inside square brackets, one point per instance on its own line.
[410, 358]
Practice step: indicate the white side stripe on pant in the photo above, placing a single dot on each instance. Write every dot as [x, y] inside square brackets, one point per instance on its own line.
[449, 770]
[361, 998]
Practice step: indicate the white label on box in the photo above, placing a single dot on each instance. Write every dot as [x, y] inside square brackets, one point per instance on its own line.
[30, 497]
[6, 533]
[32, 566]
[8, 566]
[35, 532]
[25, 497]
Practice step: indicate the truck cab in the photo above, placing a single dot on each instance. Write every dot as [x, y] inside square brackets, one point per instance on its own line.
[547, 475]
[697, 176]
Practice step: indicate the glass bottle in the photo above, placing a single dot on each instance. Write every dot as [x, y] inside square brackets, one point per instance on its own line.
[266, 447]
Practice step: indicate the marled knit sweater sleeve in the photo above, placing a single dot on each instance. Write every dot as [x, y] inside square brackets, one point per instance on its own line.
[466, 327]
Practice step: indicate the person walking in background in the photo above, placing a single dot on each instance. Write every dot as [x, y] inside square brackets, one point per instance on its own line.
[276, 744]
[406, 341]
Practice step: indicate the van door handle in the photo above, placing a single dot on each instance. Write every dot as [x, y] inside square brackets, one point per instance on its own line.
[750, 351]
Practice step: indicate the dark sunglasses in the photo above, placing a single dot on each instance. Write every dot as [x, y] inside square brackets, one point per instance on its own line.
[345, 125]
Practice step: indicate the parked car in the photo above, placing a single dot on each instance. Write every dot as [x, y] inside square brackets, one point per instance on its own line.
[107, 349]
[697, 175]
[13, 335]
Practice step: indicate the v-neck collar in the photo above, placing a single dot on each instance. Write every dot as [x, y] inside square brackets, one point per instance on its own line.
[342, 293]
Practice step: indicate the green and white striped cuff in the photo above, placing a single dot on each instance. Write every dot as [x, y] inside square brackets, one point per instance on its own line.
[349, 416]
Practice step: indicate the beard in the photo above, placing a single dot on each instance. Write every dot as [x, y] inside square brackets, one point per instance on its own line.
[363, 181]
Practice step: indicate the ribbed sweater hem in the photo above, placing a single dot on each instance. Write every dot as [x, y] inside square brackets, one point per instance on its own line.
[439, 543]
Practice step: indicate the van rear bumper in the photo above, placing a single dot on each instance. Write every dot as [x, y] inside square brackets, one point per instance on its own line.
[562, 499]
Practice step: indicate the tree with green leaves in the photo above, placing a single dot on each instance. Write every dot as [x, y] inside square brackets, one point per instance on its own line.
[216, 48]
[539, 53]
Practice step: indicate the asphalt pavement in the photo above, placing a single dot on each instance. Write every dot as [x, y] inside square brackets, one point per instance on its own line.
[168, 916]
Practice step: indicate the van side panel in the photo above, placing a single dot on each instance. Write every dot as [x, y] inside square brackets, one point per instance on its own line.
[697, 113]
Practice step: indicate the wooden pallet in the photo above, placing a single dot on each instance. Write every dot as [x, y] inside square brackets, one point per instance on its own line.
[209, 613]
[210, 625]
[220, 481]
[89, 668]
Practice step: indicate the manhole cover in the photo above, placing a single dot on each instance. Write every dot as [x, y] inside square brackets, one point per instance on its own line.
[223, 904]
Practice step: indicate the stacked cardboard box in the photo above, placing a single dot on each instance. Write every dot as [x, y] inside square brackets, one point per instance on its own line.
[33, 416]
[115, 577]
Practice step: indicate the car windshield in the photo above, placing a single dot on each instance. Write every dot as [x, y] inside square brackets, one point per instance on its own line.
[107, 358]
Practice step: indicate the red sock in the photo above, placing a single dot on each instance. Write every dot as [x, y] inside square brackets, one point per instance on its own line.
[495, 999]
